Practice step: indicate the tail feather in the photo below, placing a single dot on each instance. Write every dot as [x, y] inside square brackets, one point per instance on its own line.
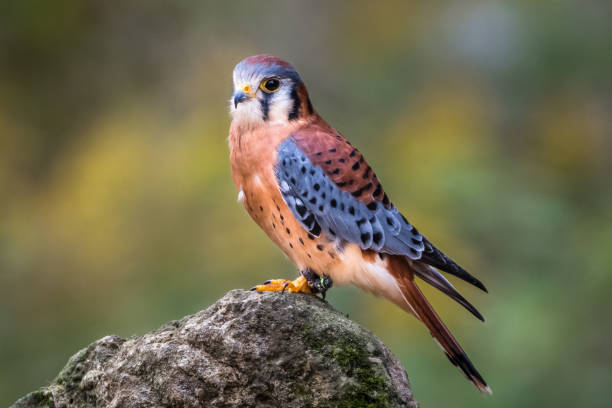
[434, 257]
[418, 304]
[438, 281]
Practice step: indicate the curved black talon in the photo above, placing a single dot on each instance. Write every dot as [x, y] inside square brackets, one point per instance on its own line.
[267, 282]
[325, 283]
[253, 288]
[285, 287]
[317, 284]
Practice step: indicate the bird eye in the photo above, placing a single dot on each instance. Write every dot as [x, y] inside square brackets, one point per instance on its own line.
[270, 85]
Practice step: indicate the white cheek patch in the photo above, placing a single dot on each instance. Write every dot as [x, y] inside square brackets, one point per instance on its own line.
[280, 107]
[247, 113]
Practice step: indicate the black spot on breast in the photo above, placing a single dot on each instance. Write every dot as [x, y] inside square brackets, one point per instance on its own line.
[317, 187]
[323, 195]
[365, 237]
[333, 203]
[332, 150]
[260, 208]
[372, 206]
[389, 221]
[321, 208]
[327, 162]
[310, 236]
[313, 200]
[320, 247]
[312, 172]
[360, 221]
[282, 218]
[351, 210]
[274, 225]
[336, 171]
[319, 153]
[353, 153]
[290, 245]
[342, 160]
[288, 231]
[366, 173]
[301, 241]
[341, 184]
[292, 180]
[303, 170]
[355, 166]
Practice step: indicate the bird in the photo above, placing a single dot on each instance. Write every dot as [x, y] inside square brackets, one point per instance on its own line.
[315, 196]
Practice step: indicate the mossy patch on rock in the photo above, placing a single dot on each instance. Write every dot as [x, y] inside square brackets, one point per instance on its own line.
[247, 350]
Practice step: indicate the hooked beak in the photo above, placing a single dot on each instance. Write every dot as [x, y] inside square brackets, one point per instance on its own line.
[240, 96]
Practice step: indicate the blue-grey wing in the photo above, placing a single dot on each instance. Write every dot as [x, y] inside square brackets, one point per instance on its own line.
[322, 206]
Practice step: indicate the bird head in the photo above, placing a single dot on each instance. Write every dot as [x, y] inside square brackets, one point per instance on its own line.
[268, 90]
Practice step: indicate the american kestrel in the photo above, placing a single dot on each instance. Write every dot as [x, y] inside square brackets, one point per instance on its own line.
[315, 196]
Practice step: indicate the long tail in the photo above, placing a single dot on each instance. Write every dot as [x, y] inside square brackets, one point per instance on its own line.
[430, 275]
[418, 304]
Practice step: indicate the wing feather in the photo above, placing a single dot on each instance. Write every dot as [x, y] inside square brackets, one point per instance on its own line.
[315, 199]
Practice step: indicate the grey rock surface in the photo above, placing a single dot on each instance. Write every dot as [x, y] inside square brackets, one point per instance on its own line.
[249, 349]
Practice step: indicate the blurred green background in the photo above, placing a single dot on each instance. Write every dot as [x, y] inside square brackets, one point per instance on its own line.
[488, 122]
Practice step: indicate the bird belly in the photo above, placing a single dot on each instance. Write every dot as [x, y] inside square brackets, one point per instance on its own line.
[345, 263]
[267, 208]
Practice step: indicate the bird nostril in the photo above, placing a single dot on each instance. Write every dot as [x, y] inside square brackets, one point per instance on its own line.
[246, 89]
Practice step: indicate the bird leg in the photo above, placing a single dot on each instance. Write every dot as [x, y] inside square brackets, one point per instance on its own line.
[316, 283]
[300, 285]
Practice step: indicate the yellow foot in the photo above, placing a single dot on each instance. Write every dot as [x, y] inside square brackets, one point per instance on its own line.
[282, 285]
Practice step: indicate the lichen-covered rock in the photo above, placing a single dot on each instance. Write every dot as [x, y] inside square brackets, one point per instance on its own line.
[249, 349]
